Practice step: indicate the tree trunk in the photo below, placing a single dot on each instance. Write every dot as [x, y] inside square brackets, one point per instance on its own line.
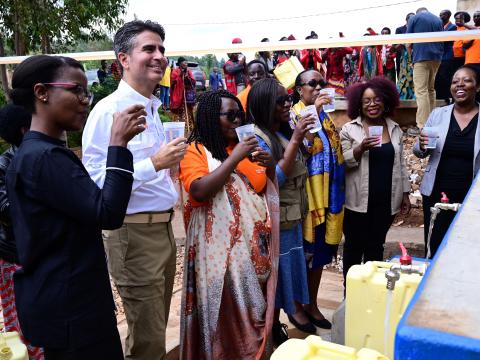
[3, 70]
[20, 48]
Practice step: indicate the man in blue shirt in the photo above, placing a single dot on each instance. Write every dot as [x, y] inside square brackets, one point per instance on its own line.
[215, 81]
[426, 61]
[445, 71]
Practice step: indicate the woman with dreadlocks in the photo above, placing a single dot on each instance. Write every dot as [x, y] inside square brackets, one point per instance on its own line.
[269, 108]
[231, 251]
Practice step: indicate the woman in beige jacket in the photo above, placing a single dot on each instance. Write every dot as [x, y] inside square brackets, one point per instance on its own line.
[377, 183]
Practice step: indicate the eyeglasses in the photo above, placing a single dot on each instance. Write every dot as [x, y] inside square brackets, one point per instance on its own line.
[281, 100]
[314, 83]
[232, 115]
[82, 94]
[376, 100]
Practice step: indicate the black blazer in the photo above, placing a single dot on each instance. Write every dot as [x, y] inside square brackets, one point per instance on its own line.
[63, 292]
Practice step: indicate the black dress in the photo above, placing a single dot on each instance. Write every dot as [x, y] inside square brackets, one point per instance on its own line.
[454, 177]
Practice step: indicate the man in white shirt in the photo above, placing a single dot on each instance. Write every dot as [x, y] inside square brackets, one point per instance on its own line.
[141, 254]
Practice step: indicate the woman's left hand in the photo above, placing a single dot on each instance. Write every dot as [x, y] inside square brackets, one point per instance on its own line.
[263, 158]
[406, 206]
[322, 99]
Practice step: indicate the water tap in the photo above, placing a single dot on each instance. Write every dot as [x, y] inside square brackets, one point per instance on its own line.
[392, 277]
[444, 204]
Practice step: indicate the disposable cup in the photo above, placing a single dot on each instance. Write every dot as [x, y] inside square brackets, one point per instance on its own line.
[376, 131]
[331, 92]
[432, 133]
[311, 109]
[173, 130]
[245, 131]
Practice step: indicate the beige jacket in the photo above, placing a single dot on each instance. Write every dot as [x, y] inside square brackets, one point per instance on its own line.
[356, 172]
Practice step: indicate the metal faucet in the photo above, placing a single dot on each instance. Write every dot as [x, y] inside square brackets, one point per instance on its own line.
[434, 211]
[404, 267]
[392, 277]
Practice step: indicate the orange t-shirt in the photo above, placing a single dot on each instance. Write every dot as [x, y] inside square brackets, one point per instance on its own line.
[243, 96]
[472, 54]
[195, 165]
[458, 51]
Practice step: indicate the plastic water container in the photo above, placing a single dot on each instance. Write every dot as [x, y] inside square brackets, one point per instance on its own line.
[314, 348]
[366, 305]
[11, 347]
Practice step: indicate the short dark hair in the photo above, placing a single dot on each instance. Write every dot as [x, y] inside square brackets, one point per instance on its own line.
[474, 70]
[384, 88]
[447, 11]
[12, 119]
[34, 70]
[257, 62]
[125, 36]
[388, 29]
[207, 130]
[261, 104]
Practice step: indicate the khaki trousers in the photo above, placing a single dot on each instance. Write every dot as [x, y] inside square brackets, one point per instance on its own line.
[141, 260]
[424, 73]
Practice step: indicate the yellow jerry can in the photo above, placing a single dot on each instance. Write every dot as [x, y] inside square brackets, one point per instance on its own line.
[11, 347]
[372, 311]
[314, 348]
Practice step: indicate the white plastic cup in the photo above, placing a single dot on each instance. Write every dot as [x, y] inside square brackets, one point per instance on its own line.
[311, 109]
[432, 133]
[173, 130]
[245, 131]
[376, 131]
[331, 92]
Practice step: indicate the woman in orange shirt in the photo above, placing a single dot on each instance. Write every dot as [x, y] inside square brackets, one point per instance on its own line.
[232, 226]
[461, 17]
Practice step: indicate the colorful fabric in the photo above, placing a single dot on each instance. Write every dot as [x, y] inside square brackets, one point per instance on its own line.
[319, 253]
[370, 63]
[195, 165]
[230, 277]
[334, 58]
[405, 77]
[10, 310]
[166, 77]
[338, 85]
[326, 181]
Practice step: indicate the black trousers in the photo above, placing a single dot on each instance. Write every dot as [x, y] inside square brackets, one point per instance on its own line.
[108, 348]
[443, 80]
[365, 235]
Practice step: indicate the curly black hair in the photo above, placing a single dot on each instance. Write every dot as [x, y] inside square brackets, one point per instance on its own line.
[207, 130]
[384, 88]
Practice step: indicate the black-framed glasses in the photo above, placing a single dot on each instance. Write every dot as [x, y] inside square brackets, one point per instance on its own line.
[82, 94]
[314, 83]
[232, 115]
[281, 100]
[375, 100]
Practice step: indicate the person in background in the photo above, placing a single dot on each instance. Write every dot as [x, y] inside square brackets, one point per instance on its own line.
[231, 248]
[426, 61]
[215, 81]
[116, 70]
[377, 183]
[334, 58]
[266, 58]
[281, 55]
[255, 71]
[102, 73]
[405, 67]
[182, 93]
[165, 88]
[388, 58]
[14, 123]
[454, 163]
[310, 58]
[62, 292]
[461, 18]
[269, 109]
[472, 47]
[141, 249]
[370, 62]
[444, 74]
[322, 227]
[235, 70]
[400, 48]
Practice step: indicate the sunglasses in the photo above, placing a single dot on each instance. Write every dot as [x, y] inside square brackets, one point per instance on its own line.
[314, 83]
[83, 95]
[281, 100]
[232, 115]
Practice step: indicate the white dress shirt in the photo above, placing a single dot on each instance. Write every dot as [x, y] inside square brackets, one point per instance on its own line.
[152, 190]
